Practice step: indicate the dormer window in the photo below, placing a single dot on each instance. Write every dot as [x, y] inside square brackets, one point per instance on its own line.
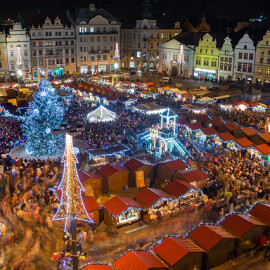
[245, 47]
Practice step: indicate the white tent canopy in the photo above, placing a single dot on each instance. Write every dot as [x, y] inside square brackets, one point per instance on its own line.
[101, 114]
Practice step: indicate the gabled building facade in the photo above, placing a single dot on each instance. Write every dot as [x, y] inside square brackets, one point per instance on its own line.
[226, 61]
[97, 34]
[18, 53]
[53, 48]
[262, 62]
[206, 58]
[3, 58]
[244, 59]
[169, 62]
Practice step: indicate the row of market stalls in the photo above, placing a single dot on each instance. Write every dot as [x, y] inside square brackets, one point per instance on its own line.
[202, 128]
[244, 106]
[204, 247]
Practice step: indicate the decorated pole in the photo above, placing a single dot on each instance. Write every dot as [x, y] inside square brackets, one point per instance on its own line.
[71, 206]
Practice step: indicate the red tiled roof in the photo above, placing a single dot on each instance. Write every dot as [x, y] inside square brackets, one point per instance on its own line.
[194, 175]
[232, 126]
[178, 188]
[84, 175]
[194, 126]
[119, 204]
[241, 103]
[138, 260]
[208, 236]
[135, 164]
[226, 136]
[97, 267]
[239, 224]
[108, 170]
[209, 131]
[264, 149]
[182, 120]
[201, 117]
[243, 142]
[217, 122]
[149, 196]
[262, 212]
[175, 165]
[173, 249]
[265, 137]
[249, 131]
[258, 104]
[90, 204]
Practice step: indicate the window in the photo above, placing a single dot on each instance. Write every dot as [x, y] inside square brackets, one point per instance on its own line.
[250, 68]
[222, 59]
[25, 52]
[66, 51]
[139, 45]
[268, 52]
[144, 45]
[230, 59]
[92, 29]
[104, 38]
[98, 57]
[186, 58]
[240, 55]
[206, 63]
[66, 34]
[12, 66]
[226, 59]
[214, 64]
[225, 67]
[39, 34]
[72, 51]
[261, 70]
[33, 34]
[72, 42]
[251, 56]
[34, 44]
[239, 67]
[262, 52]
[26, 66]
[244, 67]
[245, 55]
[104, 57]
[34, 53]
[268, 71]
[261, 60]
[84, 49]
[46, 34]
[268, 61]
[229, 67]
[157, 36]
[1, 64]
[245, 47]
[92, 39]
[164, 56]
[200, 50]
[81, 49]
[175, 56]
[198, 62]
[80, 39]
[221, 67]
[72, 60]
[139, 54]
[39, 52]
[162, 36]
[92, 58]
[98, 38]
[226, 52]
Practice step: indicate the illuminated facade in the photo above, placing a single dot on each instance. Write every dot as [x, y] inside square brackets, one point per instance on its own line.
[244, 59]
[262, 62]
[53, 48]
[18, 52]
[226, 61]
[97, 33]
[139, 45]
[206, 58]
[3, 58]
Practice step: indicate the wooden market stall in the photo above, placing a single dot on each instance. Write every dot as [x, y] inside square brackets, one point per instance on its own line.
[156, 203]
[139, 259]
[120, 211]
[115, 178]
[261, 151]
[225, 138]
[197, 178]
[166, 169]
[179, 253]
[258, 107]
[218, 244]
[92, 208]
[186, 194]
[92, 183]
[243, 143]
[241, 106]
[141, 172]
[261, 211]
[244, 227]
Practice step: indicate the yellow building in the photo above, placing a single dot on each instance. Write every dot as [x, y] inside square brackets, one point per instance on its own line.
[206, 58]
[3, 62]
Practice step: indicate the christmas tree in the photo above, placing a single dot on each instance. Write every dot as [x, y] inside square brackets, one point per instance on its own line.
[71, 205]
[45, 113]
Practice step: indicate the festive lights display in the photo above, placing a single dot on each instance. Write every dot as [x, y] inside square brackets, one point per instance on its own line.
[45, 114]
[71, 204]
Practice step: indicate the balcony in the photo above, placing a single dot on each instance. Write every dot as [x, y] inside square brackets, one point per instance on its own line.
[99, 52]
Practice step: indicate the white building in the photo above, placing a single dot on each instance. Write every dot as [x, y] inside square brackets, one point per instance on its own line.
[97, 33]
[18, 52]
[244, 59]
[53, 47]
[169, 61]
[226, 61]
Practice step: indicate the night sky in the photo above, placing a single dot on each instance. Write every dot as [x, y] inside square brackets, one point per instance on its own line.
[229, 9]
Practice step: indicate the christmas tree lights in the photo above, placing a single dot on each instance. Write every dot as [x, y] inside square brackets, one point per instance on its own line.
[71, 205]
[45, 114]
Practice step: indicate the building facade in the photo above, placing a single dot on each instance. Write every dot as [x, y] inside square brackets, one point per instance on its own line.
[206, 58]
[226, 61]
[53, 48]
[244, 59]
[18, 53]
[262, 62]
[97, 35]
[139, 45]
[3, 58]
[170, 63]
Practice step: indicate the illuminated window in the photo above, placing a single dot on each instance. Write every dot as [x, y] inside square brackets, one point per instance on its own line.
[240, 55]
[260, 70]
[92, 29]
[245, 55]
